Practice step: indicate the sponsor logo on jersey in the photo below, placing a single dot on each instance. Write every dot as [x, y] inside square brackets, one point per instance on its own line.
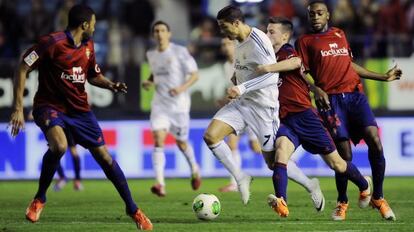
[77, 75]
[31, 58]
[334, 50]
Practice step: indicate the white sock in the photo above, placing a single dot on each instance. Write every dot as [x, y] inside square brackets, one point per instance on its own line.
[189, 156]
[237, 162]
[223, 153]
[295, 173]
[158, 162]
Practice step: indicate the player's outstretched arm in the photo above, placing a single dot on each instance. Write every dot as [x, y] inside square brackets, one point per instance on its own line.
[102, 82]
[17, 117]
[282, 66]
[392, 74]
[190, 81]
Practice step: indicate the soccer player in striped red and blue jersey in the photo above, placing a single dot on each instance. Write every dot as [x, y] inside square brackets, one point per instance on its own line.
[65, 61]
[327, 57]
[300, 123]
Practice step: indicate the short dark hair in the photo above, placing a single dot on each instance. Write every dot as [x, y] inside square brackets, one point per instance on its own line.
[230, 14]
[79, 14]
[285, 22]
[318, 2]
[160, 22]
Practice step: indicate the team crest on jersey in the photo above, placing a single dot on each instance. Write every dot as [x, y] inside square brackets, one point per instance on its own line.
[88, 53]
[337, 34]
[31, 58]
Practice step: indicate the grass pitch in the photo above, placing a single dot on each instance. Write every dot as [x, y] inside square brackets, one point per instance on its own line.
[99, 208]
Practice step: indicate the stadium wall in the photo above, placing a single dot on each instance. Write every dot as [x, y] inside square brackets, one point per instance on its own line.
[130, 143]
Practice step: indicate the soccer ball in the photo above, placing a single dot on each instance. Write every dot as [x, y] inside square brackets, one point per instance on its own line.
[206, 206]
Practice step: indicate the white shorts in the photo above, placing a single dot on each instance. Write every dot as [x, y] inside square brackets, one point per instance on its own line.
[175, 123]
[250, 134]
[264, 122]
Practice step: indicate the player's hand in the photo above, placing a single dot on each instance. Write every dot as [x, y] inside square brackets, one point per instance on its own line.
[118, 87]
[261, 69]
[175, 91]
[394, 74]
[233, 92]
[16, 122]
[321, 99]
[147, 84]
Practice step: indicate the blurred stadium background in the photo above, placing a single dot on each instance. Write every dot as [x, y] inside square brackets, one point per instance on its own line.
[380, 33]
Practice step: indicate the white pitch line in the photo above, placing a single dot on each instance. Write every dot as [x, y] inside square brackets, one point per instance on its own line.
[218, 222]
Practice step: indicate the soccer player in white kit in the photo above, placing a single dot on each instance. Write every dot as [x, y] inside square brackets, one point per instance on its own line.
[174, 70]
[255, 97]
[227, 48]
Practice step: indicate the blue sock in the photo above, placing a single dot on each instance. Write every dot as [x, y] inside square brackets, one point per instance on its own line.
[116, 176]
[280, 180]
[341, 181]
[377, 161]
[76, 166]
[60, 171]
[49, 164]
[355, 176]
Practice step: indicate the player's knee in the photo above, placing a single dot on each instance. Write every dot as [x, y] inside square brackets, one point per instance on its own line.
[59, 148]
[182, 145]
[338, 165]
[270, 165]
[209, 138]
[374, 144]
[347, 156]
[282, 155]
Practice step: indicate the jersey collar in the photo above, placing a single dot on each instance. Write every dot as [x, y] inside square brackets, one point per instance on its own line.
[72, 41]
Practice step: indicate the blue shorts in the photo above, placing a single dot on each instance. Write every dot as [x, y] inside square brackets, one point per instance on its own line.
[80, 127]
[350, 114]
[306, 128]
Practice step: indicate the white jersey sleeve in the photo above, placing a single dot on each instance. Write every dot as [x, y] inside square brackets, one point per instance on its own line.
[187, 61]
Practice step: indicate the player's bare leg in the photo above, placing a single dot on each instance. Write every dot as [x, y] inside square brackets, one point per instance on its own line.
[214, 135]
[57, 147]
[377, 161]
[158, 162]
[188, 152]
[114, 173]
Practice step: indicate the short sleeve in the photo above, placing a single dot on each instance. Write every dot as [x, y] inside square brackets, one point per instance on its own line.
[94, 69]
[187, 61]
[36, 53]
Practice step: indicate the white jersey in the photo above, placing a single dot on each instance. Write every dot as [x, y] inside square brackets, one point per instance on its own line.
[256, 50]
[170, 69]
[228, 72]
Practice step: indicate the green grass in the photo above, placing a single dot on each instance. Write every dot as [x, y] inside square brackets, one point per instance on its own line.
[99, 208]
